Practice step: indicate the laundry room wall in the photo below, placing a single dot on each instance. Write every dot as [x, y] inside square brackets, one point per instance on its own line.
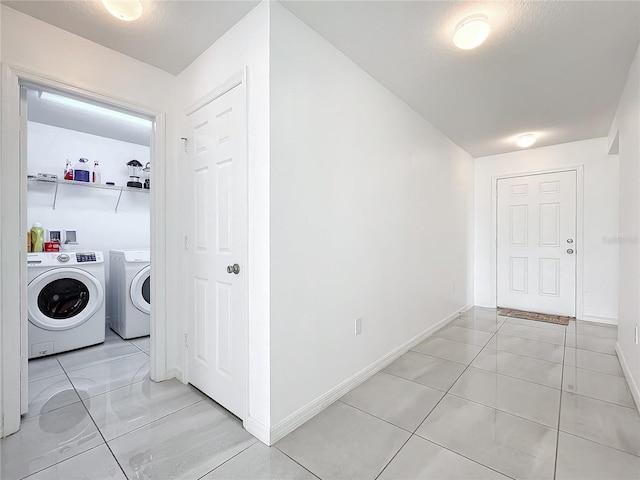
[600, 250]
[89, 211]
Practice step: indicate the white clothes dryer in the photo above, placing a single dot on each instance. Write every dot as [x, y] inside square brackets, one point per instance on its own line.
[129, 292]
[65, 296]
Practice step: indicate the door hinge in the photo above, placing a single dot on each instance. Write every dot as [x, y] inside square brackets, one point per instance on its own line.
[185, 144]
[186, 340]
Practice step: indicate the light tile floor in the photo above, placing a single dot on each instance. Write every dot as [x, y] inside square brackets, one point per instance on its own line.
[485, 397]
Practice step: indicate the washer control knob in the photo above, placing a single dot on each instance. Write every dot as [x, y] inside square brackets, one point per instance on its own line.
[63, 258]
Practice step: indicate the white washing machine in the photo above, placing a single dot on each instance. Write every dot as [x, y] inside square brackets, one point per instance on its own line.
[129, 292]
[65, 297]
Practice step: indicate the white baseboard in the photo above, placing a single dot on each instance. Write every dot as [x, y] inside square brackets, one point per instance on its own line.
[633, 386]
[311, 409]
[174, 372]
[600, 319]
[257, 429]
[488, 305]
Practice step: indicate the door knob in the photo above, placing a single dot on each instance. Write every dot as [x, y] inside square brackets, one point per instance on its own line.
[569, 251]
[569, 240]
[235, 268]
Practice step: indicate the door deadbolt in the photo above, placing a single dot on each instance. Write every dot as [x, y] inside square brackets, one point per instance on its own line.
[569, 251]
[235, 268]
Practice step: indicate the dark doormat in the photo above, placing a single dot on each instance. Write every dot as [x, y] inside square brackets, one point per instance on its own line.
[539, 317]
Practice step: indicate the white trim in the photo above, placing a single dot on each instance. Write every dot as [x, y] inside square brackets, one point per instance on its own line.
[633, 386]
[12, 252]
[176, 372]
[599, 319]
[12, 236]
[579, 169]
[230, 83]
[314, 407]
[257, 429]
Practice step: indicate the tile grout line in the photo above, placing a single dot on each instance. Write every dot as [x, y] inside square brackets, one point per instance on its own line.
[431, 411]
[227, 460]
[555, 463]
[94, 423]
[155, 420]
[296, 462]
[102, 363]
[599, 443]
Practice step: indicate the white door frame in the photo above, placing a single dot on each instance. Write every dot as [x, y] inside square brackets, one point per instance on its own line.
[237, 80]
[579, 169]
[13, 287]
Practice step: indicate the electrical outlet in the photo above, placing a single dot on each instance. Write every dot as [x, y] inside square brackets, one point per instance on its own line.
[358, 326]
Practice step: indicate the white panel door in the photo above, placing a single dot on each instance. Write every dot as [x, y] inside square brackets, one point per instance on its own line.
[536, 243]
[217, 187]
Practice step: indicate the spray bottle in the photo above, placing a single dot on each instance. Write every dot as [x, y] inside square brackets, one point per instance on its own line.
[96, 176]
[68, 171]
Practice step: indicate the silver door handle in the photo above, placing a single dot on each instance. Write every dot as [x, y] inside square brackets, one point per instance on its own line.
[235, 268]
[569, 251]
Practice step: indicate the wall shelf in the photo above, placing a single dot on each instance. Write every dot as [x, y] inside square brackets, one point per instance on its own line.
[57, 182]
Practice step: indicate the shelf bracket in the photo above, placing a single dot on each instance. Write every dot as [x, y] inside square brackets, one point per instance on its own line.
[55, 197]
[118, 202]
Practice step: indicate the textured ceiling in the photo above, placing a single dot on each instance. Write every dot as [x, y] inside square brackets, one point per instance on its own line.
[169, 35]
[554, 68]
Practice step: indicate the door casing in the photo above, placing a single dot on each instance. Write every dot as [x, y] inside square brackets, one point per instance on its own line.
[13, 275]
[579, 169]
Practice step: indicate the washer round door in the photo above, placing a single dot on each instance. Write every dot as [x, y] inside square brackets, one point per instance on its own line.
[63, 298]
[140, 292]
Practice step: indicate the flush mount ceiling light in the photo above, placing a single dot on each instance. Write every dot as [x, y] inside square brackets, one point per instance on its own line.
[126, 10]
[88, 107]
[471, 32]
[526, 140]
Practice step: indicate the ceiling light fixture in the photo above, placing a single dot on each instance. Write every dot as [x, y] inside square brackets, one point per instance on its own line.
[526, 140]
[126, 10]
[471, 32]
[89, 107]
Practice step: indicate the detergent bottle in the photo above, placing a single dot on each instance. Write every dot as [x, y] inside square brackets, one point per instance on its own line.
[37, 237]
[81, 171]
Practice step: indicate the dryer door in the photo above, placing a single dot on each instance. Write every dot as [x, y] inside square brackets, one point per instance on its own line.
[63, 298]
[141, 290]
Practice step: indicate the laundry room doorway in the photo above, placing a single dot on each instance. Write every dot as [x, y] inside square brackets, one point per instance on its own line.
[75, 297]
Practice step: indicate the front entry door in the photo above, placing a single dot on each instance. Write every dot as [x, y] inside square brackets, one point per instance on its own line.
[217, 188]
[536, 254]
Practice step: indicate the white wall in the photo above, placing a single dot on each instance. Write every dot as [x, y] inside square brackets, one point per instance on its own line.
[627, 121]
[246, 44]
[46, 51]
[89, 211]
[370, 218]
[600, 219]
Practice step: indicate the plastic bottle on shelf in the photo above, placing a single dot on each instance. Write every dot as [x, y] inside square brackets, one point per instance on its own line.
[37, 237]
[96, 176]
[68, 171]
[81, 171]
